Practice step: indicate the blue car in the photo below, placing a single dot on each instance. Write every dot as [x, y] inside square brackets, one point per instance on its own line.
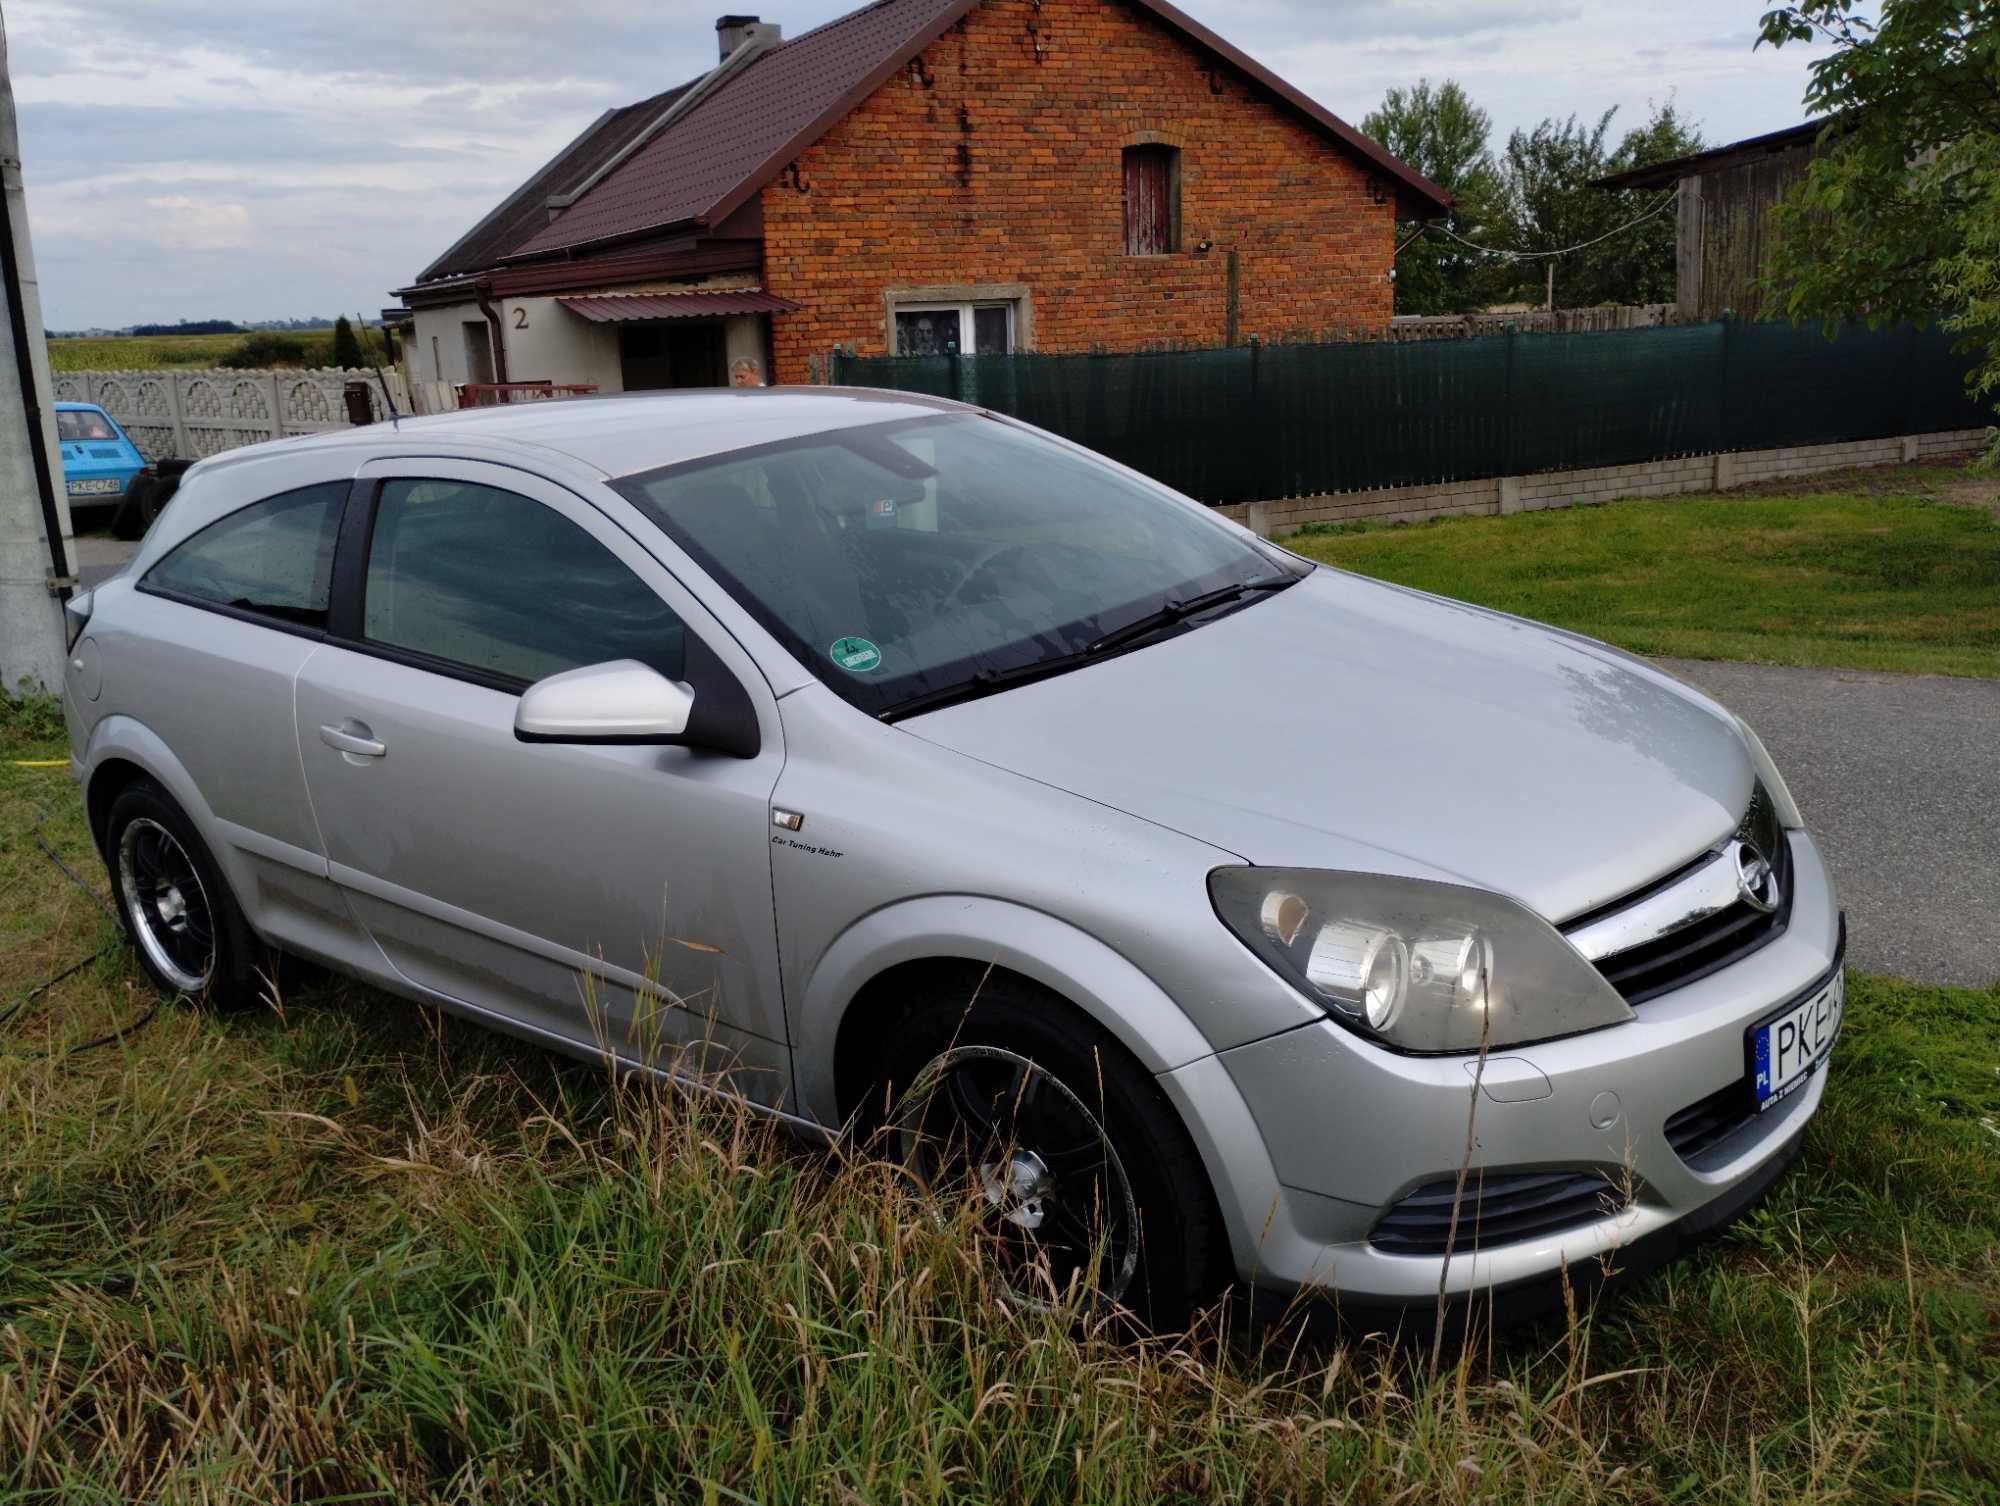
[99, 462]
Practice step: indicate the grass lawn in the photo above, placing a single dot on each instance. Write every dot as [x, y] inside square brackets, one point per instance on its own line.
[341, 1248]
[1895, 569]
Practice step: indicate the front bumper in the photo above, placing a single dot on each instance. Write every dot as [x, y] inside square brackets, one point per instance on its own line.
[1311, 1136]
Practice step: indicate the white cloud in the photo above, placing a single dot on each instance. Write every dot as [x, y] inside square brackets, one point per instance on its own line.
[179, 222]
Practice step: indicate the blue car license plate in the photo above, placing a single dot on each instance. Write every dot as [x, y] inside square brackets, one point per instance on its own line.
[95, 486]
[1788, 1047]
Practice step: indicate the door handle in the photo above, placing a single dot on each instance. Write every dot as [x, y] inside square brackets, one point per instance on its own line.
[353, 738]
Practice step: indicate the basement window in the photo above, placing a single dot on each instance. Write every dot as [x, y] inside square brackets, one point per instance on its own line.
[1152, 200]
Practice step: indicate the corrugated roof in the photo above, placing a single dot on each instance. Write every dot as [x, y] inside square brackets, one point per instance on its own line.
[1661, 174]
[706, 164]
[613, 308]
[525, 211]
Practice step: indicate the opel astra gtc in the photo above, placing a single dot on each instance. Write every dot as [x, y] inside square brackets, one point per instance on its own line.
[887, 762]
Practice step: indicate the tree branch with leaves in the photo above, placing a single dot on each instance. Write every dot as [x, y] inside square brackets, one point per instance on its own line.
[1898, 216]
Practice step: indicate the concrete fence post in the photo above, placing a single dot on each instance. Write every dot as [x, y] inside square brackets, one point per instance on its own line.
[277, 396]
[1909, 449]
[1258, 519]
[1510, 494]
[177, 410]
[1725, 470]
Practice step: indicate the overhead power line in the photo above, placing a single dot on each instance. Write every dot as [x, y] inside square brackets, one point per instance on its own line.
[1536, 255]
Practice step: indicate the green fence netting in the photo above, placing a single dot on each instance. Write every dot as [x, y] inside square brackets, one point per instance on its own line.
[1257, 422]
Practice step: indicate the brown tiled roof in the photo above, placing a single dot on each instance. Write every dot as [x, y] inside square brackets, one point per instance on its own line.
[743, 133]
[525, 211]
[709, 162]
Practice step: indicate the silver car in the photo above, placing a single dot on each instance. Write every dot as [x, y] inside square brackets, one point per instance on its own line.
[897, 766]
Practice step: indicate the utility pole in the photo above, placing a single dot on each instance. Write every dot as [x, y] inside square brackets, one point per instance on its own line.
[34, 511]
[1551, 304]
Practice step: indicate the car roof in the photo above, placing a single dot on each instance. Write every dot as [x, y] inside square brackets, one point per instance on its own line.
[621, 433]
[81, 408]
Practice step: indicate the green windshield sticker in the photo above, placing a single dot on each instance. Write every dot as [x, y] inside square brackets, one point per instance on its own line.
[856, 655]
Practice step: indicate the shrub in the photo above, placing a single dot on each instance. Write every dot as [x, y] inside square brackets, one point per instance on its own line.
[265, 348]
[346, 349]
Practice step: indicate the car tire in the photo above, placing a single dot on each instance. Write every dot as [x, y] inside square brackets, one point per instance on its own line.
[134, 510]
[165, 485]
[190, 935]
[1038, 1063]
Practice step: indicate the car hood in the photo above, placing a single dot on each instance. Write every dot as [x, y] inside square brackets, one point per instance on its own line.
[1345, 723]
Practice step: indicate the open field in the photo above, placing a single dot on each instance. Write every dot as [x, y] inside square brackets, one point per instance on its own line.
[151, 352]
[139, 352]
[1895, 569]
[341, 1248]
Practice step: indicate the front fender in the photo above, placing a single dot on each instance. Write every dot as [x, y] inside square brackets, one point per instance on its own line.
[1099, 981]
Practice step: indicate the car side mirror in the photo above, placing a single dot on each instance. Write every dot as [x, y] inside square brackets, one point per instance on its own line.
[622, 701]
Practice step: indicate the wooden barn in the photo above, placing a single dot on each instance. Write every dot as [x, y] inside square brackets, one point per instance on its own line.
[1723, 228]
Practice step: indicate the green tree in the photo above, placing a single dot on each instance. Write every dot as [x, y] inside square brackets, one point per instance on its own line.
[1443, 135]
[1899, 216]
[346, 349]
[1549, 203]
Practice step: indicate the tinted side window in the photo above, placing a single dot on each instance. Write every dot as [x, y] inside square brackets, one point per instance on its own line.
[499, 583]
[273, 557]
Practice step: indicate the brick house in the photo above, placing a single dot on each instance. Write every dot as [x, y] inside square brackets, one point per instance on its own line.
[925, 176]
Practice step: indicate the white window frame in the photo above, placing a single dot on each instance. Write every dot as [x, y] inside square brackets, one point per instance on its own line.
[965, 319]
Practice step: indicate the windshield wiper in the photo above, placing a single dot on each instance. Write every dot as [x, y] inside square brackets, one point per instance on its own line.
[1177, 611]
[987, 681]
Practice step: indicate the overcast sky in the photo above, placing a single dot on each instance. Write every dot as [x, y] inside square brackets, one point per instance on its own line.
[302, 157]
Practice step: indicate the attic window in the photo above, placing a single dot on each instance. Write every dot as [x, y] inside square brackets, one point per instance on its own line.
[1152, 200]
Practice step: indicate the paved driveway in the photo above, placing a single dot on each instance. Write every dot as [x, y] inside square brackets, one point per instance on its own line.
[99, 555]
[1899, 778]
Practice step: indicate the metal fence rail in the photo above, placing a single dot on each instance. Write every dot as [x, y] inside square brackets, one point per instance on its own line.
[1265, 422]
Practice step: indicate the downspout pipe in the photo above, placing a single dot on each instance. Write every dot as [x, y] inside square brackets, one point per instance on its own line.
[483, 294]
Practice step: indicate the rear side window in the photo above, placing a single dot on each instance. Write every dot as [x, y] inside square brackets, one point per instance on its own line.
[74, 426]
[273, 558]
[492, 581]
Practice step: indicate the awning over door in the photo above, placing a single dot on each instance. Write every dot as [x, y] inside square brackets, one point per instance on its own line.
[612, 308]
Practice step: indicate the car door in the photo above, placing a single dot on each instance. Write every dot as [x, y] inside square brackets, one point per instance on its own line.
[618, 896]
[202, 650]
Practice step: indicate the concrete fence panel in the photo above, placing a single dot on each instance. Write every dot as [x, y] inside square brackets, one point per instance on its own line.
[193, 413]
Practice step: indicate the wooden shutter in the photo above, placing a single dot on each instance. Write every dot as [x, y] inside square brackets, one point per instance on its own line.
[1151, 184]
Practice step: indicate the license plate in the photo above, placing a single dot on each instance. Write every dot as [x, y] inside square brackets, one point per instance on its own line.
[1788, 1047]
[95, 487]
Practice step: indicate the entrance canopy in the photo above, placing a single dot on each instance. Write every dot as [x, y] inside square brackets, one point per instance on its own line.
[616, 308]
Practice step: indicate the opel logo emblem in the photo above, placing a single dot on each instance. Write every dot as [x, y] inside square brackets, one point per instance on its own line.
[1755, 880]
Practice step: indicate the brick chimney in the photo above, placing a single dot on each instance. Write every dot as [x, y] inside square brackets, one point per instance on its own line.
[731, 32]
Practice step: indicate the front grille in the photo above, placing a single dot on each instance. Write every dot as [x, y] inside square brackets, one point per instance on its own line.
[106, 452]
[1682, 956]
[1706, 1123]
[1498, 1209]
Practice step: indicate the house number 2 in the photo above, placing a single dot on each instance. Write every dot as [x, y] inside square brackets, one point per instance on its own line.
[520, 318]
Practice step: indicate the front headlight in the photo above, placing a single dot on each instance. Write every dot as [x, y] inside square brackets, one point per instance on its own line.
[1419, 966]
[1772, 780]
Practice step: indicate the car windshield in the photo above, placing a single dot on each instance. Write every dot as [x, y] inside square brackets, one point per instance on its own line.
[913, 563]
[72, 426]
